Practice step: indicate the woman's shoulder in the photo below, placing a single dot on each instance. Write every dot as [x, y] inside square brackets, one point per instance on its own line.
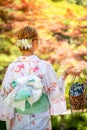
[46, 63]
[12, 63]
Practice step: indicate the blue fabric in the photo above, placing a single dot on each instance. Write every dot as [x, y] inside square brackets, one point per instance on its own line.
[76, 89]
[40, 106]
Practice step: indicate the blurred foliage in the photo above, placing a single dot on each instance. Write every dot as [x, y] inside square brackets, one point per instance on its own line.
[62, 28]
[76, 121]
[78, 2]
[2, 125]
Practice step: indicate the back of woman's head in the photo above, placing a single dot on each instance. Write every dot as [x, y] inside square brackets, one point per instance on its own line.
[26, 36]
[27, 33]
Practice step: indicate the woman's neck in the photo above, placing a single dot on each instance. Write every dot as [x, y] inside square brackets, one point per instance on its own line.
[27, 53]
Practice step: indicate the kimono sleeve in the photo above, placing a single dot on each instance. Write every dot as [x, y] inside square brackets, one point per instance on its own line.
[55, 90]
[6, 112]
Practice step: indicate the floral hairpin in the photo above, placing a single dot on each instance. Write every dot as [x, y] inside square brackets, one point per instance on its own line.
[24, 43]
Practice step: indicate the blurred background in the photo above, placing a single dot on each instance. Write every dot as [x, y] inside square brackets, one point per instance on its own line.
[62, 29]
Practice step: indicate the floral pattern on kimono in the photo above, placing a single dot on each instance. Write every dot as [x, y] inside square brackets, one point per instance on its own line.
[55, 91]
[52, 86]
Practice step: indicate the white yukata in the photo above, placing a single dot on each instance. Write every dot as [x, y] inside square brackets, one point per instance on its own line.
[31, 93]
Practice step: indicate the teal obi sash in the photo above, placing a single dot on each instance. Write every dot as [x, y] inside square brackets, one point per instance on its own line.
[40, 106]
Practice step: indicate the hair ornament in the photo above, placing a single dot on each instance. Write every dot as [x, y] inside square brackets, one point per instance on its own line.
[24, 43]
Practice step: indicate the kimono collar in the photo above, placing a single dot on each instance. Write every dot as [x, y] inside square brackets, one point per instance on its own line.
[27, 58]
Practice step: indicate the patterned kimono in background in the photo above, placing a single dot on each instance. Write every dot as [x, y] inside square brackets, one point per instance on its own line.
[51, 102]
